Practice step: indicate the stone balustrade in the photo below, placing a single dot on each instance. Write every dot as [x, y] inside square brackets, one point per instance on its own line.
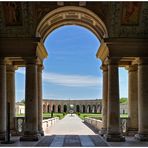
[49, 122]
[97, 124]
[20, 122]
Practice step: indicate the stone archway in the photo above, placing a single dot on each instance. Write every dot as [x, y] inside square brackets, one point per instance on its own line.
[48, 108]
[71, 15]
[77, 108]
[65, 108]
[53, 108]
[94, 109]
[44, 108]
[88, 109]
[83, 109]
[59, 108]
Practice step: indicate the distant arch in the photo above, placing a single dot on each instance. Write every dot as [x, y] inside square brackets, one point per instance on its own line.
[98, 108]
[65, 108]
[83, 109]
[88, 109]
[77, 108]
[44, 108]
[48, 108]
[59, 108]
[94, 109]
[53, 108]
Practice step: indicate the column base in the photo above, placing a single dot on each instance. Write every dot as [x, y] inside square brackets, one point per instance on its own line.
[41, 132]
[13, 132]
[114, 138]
[2, 135]
[132, 131]
[30, 137]
[103, 131]
[142, 137]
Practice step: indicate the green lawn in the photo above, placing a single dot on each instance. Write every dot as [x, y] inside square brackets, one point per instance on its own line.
[82, 115]
[46, 115]
[97, 116]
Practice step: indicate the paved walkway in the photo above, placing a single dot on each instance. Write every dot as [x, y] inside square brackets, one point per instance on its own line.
[71, 131]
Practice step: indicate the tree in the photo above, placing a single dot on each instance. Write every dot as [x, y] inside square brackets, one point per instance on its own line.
[123, 100]
[22, 101]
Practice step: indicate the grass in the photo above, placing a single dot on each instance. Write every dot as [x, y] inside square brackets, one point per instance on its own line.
[46, 115]
[82, 115]
[97, 116]
[91, 115]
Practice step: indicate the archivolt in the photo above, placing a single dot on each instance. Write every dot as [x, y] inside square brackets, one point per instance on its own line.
[71, 15]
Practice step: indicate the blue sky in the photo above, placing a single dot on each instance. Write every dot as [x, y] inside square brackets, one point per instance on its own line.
[71, 70]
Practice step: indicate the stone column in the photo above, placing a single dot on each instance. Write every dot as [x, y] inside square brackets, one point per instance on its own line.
[40, 107]
[31, 103]
[62, 110]
[113, 121]
[132, 99]
[142, 100]
[11, 94]
[104, 99]
[56, 108]
[2, 99]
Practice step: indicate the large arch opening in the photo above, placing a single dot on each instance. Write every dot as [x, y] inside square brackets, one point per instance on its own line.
[70, 17]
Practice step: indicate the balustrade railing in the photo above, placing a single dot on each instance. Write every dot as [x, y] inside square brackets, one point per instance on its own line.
[20, 123]
[97, 124]
[124, 125]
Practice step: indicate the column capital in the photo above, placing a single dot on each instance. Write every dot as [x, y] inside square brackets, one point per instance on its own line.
[3, 61]
[11, 68]
[31, 61]
[40, 68]
[132, 68]
[113, 60]
[104, 67]
[143, 61]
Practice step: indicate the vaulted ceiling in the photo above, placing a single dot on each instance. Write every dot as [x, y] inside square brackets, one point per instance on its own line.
[122, 19]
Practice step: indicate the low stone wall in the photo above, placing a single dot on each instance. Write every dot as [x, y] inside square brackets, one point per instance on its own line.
[97, 124]
[49, 122]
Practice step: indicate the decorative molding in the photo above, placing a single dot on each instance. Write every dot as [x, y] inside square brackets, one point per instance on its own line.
[60, 3]
[71, 15]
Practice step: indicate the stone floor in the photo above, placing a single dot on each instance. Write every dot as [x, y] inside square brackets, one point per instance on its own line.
[71, 131]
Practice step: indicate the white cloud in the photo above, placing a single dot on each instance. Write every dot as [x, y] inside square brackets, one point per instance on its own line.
[21, 71]
[69, 80]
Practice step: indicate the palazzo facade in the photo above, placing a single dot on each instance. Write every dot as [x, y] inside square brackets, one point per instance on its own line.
[121, 27]
[82, 106]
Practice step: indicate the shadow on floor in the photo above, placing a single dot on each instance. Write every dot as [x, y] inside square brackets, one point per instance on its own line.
[96, 131]
[72, 141]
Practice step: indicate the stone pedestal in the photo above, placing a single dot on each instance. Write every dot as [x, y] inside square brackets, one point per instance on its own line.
[11, 95]
[132, 100]
[113, 125]
[143, 100]
[31, 103]
[104, 99]
[40, 106]
[2, 99]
